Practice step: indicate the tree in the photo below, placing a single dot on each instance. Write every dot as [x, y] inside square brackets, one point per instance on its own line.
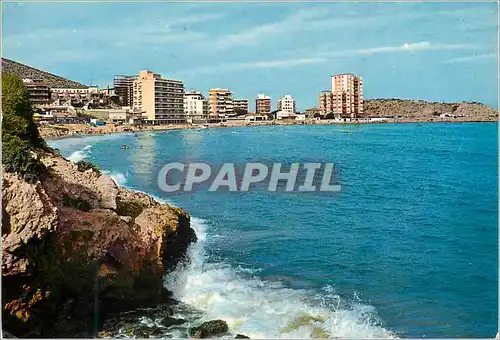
[20, 135]
[17, 114]
[330, 116]
[317, 115]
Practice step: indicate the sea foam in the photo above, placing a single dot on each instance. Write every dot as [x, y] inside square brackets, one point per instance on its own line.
[118, 177]
[264, 309]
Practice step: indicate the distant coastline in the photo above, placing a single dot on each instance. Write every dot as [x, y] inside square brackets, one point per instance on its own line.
[75, 130]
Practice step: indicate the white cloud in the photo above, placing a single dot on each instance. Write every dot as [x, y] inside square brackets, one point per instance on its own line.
[475, 57]
[412, 47]
[255, 65]
[277, 63]
[299, 20]
[71, 44]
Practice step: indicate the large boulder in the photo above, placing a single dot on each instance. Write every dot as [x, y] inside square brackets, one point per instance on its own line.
[108, 191]
[27, 214]
[210, 329]
[157, 222]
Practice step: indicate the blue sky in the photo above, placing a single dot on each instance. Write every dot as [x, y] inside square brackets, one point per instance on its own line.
[430, 51]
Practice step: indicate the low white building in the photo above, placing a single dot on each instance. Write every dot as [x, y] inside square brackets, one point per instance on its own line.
[280, 115]
[125, 115]
[255, 118]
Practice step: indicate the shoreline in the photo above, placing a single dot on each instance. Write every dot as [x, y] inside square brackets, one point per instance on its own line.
[62, 131]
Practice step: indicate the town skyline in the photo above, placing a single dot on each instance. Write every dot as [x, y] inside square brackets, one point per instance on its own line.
[270, 48]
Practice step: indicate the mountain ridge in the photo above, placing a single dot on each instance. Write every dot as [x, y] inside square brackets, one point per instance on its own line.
[25, 71]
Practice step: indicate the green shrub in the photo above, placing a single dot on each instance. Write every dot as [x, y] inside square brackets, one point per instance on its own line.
[76, 203]
[17, 157]
[84, 165]
[128, 208]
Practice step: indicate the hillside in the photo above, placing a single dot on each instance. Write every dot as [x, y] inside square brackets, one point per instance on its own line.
[419, 109]
[24, 71]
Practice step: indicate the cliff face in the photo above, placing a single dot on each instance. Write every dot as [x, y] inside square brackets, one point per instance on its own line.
[415, 109]
[77, 247]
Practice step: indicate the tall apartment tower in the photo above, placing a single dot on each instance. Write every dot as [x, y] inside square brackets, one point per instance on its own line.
[286, 105]
[221, 103]
[124, 89]
[195, 107]
[347, 91]
[262, 104]
[326, 102]
[160, 100]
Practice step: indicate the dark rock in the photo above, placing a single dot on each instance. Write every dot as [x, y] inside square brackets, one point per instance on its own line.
[241, 336]
[7, 335]
[210, 329]
[169, 322]
[142, 332]
[156, 332]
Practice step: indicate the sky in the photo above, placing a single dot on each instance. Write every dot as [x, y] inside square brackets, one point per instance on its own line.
[429, 51]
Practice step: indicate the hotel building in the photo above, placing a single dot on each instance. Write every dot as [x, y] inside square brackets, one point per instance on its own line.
[160, 100]
[221, 104]
[262, 104]
[38, 91]
[195, 107]
[347, 92]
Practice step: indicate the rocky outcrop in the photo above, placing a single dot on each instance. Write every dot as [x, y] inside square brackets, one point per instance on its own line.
[108, 190]
[209, 329]
[419, 109]
[76, 247]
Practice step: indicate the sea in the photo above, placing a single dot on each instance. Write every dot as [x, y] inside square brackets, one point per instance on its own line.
[407, 248]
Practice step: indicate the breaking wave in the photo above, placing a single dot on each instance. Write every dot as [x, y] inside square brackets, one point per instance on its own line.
[264, 309]
[80, 155]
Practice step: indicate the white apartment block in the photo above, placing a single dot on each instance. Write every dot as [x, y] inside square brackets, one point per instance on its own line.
[160, 100]
[286, 105]
[195, 107]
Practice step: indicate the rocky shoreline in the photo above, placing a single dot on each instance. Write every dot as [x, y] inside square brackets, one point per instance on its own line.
[83, 257]
[76, 247]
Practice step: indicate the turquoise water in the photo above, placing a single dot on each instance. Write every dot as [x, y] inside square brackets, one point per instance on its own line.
[408, 248]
